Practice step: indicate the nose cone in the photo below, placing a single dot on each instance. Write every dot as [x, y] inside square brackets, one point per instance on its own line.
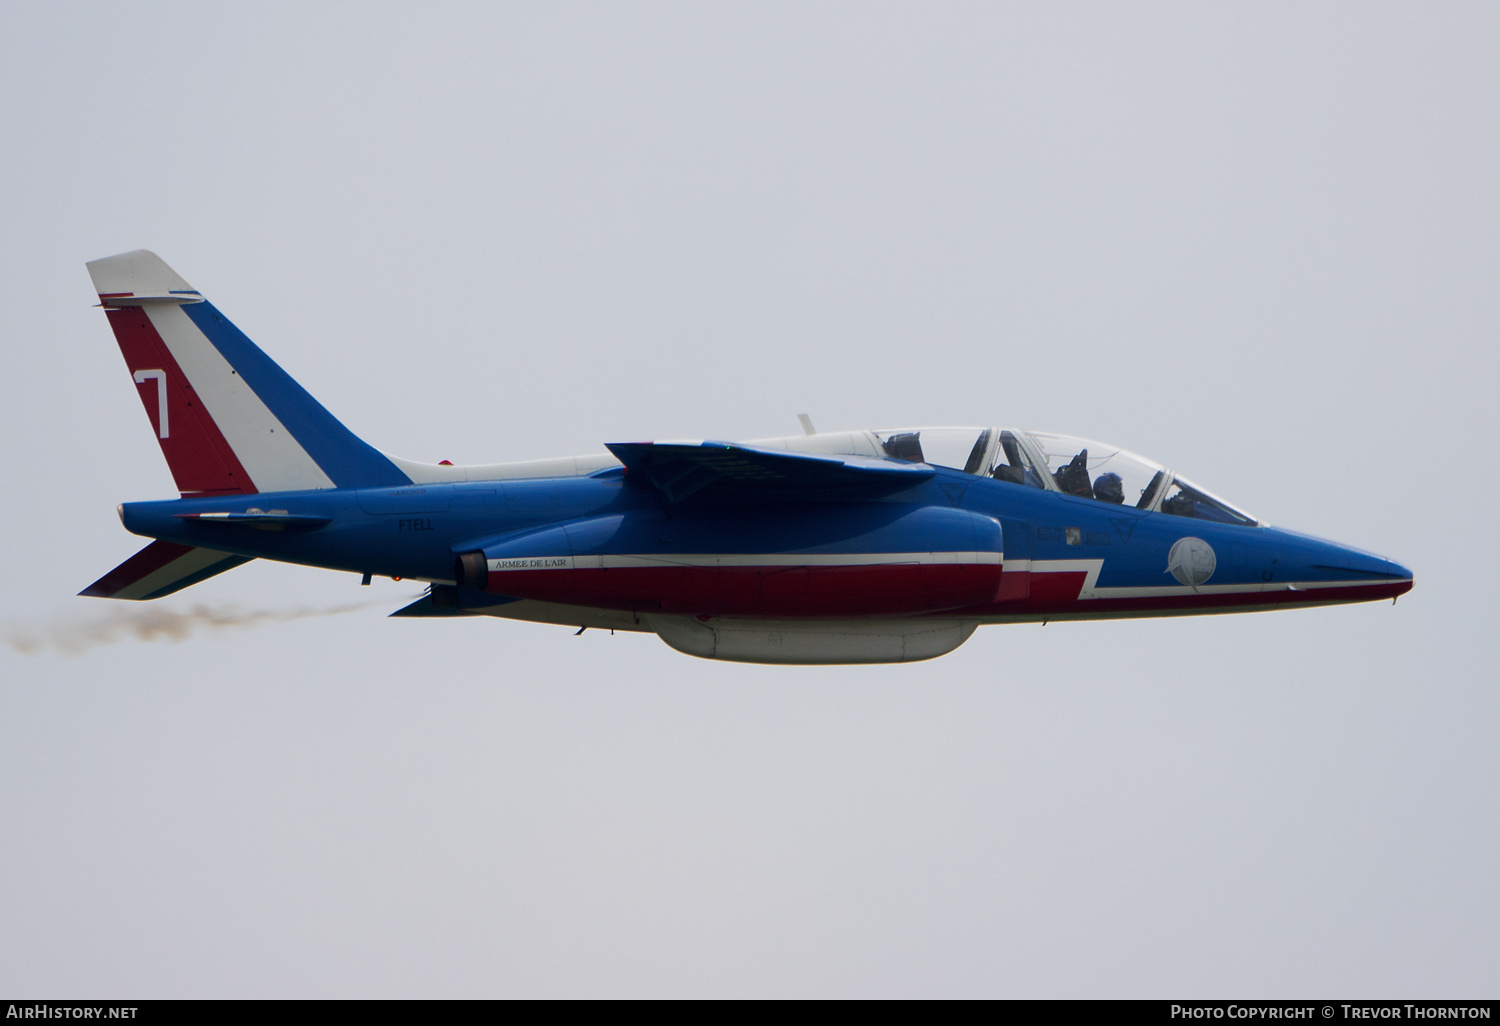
[1401, 572]
[1364, 564]
[1330, 569]
[1320, 570]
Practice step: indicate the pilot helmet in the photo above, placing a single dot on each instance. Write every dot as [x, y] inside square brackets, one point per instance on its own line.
[1109, 488]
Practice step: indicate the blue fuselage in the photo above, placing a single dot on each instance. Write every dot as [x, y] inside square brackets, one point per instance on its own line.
[1053, 554]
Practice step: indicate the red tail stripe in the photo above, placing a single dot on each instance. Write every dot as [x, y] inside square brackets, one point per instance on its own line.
[201, 459]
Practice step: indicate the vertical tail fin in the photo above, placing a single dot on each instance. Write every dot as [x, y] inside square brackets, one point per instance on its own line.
[227, 417]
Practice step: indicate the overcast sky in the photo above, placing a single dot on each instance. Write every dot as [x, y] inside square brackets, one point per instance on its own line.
[1255, 242]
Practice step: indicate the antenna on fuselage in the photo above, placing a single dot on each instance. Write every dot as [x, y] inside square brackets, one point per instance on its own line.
[807, 428]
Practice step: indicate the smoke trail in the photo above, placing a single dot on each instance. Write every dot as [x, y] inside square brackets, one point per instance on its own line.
[152, 623]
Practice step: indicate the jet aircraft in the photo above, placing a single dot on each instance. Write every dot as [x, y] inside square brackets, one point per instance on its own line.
[844, 547]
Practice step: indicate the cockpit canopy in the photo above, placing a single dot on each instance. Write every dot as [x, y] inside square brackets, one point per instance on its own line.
[1038, 459]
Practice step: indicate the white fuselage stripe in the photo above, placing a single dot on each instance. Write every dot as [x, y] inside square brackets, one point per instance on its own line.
[1090, 590]
[784, 559]
[1088, 567]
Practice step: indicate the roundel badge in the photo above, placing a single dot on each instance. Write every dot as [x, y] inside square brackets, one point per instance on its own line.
[1192, 561]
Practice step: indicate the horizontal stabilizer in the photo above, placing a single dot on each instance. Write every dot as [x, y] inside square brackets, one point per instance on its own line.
[722, 472]
[160, 569]
[446, 600]
[424, 606]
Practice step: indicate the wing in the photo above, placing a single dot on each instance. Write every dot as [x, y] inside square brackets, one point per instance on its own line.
[723, 472]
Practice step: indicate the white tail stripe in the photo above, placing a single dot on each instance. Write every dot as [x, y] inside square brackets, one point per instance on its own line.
[275, 461]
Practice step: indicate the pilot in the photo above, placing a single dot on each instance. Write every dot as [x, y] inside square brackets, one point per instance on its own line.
[1109, 488]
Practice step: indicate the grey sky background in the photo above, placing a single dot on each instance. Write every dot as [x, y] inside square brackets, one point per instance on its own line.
[1255, 242]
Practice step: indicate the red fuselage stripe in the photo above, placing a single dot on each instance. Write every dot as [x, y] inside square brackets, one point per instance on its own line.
[876, 590]
[871, 590]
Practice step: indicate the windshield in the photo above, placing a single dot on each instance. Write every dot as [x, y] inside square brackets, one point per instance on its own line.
[1093, 470]
[1185, 499]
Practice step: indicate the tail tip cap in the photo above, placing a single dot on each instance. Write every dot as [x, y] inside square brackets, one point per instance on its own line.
[138, 273]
